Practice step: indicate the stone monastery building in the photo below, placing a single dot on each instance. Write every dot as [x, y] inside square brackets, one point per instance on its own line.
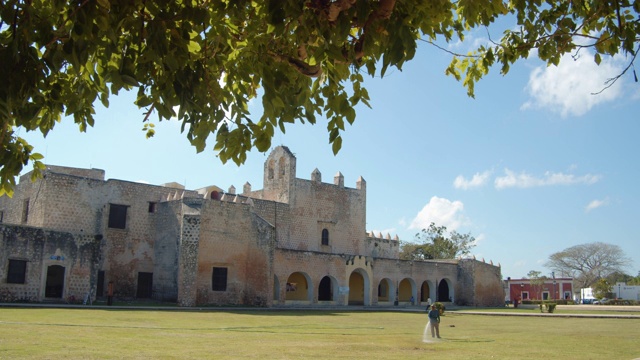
[294, 243]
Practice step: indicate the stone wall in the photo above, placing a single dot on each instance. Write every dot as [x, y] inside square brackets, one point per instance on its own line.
[226, 235]
[479, 284]
[317, 206]
[78, 254]
[378, 247]
[168, 225]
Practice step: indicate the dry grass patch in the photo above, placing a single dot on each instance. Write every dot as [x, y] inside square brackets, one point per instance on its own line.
[269, 334]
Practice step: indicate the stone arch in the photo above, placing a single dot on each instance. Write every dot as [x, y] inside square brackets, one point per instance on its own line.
[386, 292]
[425, 292]
[445, 290]
[54, 287]
[327, 289]
[299, 287]
[406, 290]
[270, 169]
[359, 287]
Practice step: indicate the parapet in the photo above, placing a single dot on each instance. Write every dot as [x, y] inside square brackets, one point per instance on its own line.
[96, 174]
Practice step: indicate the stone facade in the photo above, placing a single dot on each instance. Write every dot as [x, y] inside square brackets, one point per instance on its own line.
[295, 242]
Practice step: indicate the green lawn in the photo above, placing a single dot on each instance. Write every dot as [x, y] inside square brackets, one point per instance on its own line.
[271, 334]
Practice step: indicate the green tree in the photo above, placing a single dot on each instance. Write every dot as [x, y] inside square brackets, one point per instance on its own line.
[587, 263]
[203, 61]
[536, 279]
[601, 288]
[635, 280]
[433, 243]
[618, 276]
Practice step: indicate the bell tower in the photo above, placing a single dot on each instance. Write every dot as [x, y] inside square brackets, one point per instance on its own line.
[279, 174]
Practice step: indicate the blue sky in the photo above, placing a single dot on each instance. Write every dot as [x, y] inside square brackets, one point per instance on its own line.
[531, 166]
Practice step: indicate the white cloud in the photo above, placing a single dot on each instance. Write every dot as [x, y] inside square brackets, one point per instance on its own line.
[477, 180]
[524, 180]
[596, 204]
[567, 88]
[479, 239]
[442, 212]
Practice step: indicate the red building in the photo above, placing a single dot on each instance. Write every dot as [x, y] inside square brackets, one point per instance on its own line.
[549, 289]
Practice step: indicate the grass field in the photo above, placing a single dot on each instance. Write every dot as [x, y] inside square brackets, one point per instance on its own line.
[39, 333]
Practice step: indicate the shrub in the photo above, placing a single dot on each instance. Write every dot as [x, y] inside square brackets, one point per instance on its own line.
[440, 307]
[548, 307]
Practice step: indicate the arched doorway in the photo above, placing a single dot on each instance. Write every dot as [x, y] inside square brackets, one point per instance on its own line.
[443, 291]
[358, 288]
[424, 292]
[405, 290]
[325, 290]
[297, 287]
[55, 282]
[384, 291]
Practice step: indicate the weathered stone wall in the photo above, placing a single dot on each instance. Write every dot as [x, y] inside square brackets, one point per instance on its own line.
[79, 254]
[276, 214]
[231, 236]
[317, 206]
[78, 201]
[479, 284]
[382, 248]
[188, 260]
[168, 225]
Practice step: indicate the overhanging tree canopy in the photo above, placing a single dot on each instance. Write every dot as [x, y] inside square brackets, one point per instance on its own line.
[202, 61]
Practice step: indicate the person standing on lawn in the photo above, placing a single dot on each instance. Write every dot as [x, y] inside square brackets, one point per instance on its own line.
[434, 321]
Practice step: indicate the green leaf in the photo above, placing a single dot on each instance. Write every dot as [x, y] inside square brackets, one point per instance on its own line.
[337, 145]
[193, 47]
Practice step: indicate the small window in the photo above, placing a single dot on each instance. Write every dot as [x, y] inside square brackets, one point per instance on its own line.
[219, 279]
[525, 295]
[17, 271]
[545, 295]
[152, 207]
[25, 210]
[1, 216]
[325, 237]
[117, 216]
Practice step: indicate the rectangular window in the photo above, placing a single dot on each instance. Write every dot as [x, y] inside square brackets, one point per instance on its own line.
[545, 295]
[117, 216]
[25, 210]
[219, 279]
[525, 295]
[1, 216]
[17, 271]
[152, 207]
